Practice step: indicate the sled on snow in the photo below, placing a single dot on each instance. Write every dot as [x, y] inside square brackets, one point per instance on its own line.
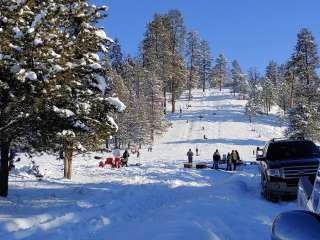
[201, 165]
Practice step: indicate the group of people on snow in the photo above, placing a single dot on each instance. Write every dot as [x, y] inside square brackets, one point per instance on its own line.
[125, 156]
[232, 159]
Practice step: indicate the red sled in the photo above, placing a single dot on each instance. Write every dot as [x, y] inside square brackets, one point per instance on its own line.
[101, 164]
[117, 162]
[109, 161]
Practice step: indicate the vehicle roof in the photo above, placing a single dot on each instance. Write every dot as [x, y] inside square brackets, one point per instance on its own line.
[289, 140]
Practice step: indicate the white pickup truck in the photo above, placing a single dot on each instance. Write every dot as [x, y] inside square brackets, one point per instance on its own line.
[301, 224]
[309, 193]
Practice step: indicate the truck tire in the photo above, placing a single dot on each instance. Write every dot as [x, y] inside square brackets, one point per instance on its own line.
[266, 193]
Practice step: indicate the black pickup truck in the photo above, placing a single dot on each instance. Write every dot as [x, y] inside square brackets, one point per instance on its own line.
[283, 162]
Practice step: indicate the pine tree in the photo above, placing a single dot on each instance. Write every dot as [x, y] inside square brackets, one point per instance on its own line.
[205, 63]
[304, 63]
[255, 103]
[193, 54]
[153, 93]
[267, 94]
[178, 71]
[52, 83]
[220, 71]
[272, 73]
[270, 85]
[283, 89]
[155, 51]
[116, 57]
[304, 122]
[236, 77]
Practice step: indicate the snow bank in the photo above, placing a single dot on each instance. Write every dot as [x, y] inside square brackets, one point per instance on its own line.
[158, 199]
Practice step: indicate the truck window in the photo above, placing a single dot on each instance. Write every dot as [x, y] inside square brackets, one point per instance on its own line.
[292, 150]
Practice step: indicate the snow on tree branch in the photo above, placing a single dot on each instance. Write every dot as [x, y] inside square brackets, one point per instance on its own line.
[116, 103]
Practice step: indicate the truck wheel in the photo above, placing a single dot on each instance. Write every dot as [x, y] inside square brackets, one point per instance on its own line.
[266, 193]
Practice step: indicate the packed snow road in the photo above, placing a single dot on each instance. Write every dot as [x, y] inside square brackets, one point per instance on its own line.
[159, 199]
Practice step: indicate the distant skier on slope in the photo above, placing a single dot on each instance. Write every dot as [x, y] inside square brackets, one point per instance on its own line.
[197, 152]
[190, 156]
[216, 159]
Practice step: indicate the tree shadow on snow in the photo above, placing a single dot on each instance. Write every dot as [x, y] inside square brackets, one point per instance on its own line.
[244, 142]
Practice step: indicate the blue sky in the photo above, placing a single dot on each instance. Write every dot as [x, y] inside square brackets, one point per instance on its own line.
[251, 31]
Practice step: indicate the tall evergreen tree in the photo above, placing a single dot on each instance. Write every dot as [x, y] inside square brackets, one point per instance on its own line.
[193, 54]
[205, 63]
[220, 71]
[236, 76]
[255, 102]
[283, 90]
[305, 61]
[155, 51]
[51, 77]
[116, 57]
[272, 73]
[178, 71]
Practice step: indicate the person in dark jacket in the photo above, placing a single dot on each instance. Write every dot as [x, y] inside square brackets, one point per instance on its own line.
[234, 159]
[229, 162]
[216, 159]
[190, 156]
[238, 156]
[125, 158]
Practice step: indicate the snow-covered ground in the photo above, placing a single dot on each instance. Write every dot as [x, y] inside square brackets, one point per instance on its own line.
[159, 199]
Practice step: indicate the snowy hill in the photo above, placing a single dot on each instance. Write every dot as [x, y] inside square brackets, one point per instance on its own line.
[159, 199]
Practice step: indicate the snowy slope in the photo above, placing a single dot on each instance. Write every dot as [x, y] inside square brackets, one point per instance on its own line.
[160, 199]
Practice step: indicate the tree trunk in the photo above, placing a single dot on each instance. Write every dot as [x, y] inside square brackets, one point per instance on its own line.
[173, 100]
[4, 168]
[204, 79]
[68, 159]
[65, 163]
[291, 93]
[152, 135]
[164, 101]
[190, 78]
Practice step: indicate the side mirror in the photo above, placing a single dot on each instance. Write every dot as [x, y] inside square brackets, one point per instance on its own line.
[296, 225]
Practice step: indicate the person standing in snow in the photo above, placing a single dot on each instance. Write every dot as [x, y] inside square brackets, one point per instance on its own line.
[234, 158]
[190, 156]
[125, 158]
[116, 152]
[61, 154]
[197, 152]
[229, 168]
[216, 159]
[238, 156]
